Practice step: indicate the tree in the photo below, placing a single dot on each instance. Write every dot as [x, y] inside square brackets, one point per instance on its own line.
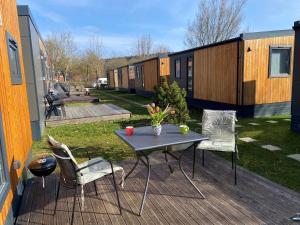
[215, 20]
[61, 49]
[174, 96]
[93, 59]
[143, 46]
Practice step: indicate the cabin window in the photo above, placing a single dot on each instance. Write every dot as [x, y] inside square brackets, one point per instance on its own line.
[4, 181]
[177, 68]
[14, 60]
[138, 74]
[190, 74]
[142, 74]
[280, 61]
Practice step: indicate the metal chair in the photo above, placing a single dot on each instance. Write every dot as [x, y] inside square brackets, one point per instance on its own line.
[52, 103]
[219, 127]
[73, 174]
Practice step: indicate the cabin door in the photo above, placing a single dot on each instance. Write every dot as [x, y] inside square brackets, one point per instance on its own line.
[190, 75]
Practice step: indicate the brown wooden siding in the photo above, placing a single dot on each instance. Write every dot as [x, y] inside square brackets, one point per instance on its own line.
[150, 74]
[215, 73]
[125, 77]
[258, 87]
[13, 103]
[111, 79]
[164, 66]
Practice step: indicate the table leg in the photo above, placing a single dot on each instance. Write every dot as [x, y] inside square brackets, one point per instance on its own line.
[133, 168]
[166, 158]
[186, 176]
[146, 185]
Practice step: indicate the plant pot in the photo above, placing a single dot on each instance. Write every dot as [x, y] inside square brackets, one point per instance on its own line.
[156, 130]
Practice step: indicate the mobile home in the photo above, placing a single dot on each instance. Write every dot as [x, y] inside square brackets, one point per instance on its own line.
[251, 73]
[123, 77]
[36, 69]
[148, 74]
[15, 129]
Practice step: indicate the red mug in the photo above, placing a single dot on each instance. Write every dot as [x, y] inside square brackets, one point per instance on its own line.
[129, 130]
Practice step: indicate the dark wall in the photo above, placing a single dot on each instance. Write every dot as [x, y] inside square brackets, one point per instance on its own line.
[296, 81]
[182, 81]
[138, 81]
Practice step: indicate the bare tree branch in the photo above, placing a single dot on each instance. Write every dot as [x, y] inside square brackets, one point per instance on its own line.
[215, 20]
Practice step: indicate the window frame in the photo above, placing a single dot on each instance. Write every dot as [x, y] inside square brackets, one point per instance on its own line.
[12, 43]
[282, 47]
[189, 58]
[138, 73]
[177, 60]
[6, 186]
[142, 75]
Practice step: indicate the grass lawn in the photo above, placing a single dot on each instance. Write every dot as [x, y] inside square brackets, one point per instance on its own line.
[100, 140]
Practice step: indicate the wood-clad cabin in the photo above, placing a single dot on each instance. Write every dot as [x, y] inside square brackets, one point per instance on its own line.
[123, 77]
[148, 74]
[15, 129]
[251, 73]
[111, 79]
[36, 69]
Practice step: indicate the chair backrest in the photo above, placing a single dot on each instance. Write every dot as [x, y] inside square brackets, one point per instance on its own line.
[219, 125]
[66, 161]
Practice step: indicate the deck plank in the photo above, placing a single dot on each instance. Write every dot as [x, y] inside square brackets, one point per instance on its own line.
[88, 114]
[170, 200]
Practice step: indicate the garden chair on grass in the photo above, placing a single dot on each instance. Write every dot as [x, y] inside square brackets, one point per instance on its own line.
[73, 174]
[219, 127]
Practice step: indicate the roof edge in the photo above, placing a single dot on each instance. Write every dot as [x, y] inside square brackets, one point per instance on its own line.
[266, 34]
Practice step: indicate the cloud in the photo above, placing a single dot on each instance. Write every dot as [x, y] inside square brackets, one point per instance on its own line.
[45, 13]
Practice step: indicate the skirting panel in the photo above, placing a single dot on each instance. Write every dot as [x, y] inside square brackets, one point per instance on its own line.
[260, 110]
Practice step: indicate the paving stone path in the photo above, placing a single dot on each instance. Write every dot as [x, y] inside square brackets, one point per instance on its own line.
[254, 124]
[247, 139]
[271, 121]
[271, 148]
[294, 156]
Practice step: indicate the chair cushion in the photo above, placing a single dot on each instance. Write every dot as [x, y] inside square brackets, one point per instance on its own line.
[95, 171]
[224, 146]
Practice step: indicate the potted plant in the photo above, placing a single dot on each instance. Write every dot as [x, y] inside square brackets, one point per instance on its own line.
[157, 116]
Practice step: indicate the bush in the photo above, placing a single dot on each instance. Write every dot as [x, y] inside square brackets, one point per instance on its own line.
[175, 97]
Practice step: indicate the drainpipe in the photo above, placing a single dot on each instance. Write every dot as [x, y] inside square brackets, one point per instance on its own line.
[295, 124]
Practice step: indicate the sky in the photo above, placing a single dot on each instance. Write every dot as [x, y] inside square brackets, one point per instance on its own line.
[118, 23]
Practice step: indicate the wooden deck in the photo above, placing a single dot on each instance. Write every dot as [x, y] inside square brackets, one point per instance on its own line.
[171, 199]
[89, 113]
